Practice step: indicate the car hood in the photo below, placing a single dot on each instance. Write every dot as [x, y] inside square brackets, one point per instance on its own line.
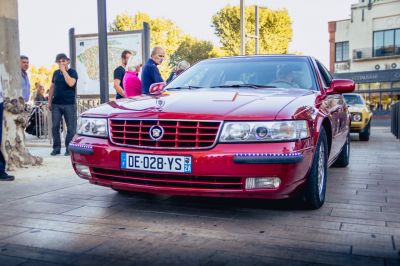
[357, 108]
[204, 104]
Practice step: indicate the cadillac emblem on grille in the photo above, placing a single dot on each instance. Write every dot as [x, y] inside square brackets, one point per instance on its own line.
[156, 132]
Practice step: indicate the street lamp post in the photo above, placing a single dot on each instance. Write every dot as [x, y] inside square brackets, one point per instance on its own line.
[257, 37]
[242, 32]
[103, 51]
[257, 28]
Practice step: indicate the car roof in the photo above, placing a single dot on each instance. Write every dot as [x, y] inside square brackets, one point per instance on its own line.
[257, 56]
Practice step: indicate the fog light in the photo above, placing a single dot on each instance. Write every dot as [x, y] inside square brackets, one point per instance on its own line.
[83, 169]
[262, 182]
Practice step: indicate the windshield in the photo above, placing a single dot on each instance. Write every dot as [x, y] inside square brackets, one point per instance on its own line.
[352, 99]
[251, 72]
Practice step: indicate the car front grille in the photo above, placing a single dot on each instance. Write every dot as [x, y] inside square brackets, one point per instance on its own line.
[168, 180]
[177, 134]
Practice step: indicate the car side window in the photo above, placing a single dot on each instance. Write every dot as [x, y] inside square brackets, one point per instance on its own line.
[326, 76]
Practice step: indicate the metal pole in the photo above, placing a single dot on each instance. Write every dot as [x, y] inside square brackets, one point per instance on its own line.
[72, 48]
[103, 52]
[146, 41]
[242, 32]
[257, 30]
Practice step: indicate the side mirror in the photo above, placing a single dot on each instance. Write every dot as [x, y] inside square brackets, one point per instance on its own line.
[339, 86]
[157, 88]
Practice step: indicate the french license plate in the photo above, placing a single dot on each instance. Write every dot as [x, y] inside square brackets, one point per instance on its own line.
[157, 163]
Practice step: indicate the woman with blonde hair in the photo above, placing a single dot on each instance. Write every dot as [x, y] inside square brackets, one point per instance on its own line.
[40, 94]
[131, 82]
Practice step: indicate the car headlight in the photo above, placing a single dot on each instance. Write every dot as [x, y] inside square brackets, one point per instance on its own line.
[264, 131]
[96, 127]
[356, 117]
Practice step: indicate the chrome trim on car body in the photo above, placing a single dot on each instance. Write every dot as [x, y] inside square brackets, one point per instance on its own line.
[221, 122]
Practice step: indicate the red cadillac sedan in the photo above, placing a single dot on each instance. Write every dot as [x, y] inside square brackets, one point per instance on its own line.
[248, 126]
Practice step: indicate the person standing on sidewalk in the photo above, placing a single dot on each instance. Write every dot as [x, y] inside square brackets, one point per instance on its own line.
[3, 175]
[131, 82]
[26, 86]
[119, 74]
[62, 102]
[150, 72]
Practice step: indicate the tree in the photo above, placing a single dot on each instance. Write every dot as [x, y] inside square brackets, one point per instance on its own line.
[192, 50]
[41, 75]
[14, 120]
[275, 29]
[163, 32]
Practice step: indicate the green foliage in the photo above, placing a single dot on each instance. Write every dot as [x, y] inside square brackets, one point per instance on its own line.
[163, 32]
[41, 75]
[217, 52]
[192, 50]
[275, 29]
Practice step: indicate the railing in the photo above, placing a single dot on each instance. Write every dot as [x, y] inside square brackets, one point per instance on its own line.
[84, 104]
[395, 119]
[369, 53]
[39, 120]
[363, 53]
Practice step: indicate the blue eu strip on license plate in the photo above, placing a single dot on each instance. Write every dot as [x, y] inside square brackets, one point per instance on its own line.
[156, 163]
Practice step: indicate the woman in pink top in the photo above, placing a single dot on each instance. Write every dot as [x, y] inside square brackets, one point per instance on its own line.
[131, 82]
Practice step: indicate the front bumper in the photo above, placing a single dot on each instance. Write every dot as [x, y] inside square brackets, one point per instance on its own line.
[357, 127]
[218, 172]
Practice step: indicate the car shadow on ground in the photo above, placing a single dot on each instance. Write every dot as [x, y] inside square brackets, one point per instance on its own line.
[211, 203]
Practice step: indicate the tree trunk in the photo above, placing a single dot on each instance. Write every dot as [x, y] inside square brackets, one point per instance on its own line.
[15, 117]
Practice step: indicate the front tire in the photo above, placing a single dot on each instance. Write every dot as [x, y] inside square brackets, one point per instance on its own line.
[316, 181]
[344, 157]
[364, 136]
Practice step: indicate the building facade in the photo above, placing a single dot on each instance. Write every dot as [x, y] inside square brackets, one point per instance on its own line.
[366, 48]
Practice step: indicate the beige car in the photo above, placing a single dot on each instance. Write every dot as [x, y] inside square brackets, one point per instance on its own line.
[361, 115]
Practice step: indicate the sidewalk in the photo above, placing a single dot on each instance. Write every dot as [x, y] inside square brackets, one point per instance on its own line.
[49, 216]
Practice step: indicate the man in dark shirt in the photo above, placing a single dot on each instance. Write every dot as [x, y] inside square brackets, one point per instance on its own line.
[62, 102]
[150, 72]
[119, 74]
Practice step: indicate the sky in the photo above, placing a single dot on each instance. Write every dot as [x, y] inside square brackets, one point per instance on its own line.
[44, 24]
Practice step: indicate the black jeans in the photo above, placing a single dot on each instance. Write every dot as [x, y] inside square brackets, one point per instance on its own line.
[2, 161]
[69, 113]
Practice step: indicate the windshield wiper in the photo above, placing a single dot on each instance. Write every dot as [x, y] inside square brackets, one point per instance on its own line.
[255, 86]
[185, 88]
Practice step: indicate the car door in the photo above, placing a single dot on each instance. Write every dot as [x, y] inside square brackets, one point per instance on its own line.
[337, 111]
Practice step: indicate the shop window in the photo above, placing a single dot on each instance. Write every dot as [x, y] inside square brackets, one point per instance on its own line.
[386, 101]
[341, 51]
[396, 84]
[374, 99]
[385, 85]
[363, 86]
[375, 86]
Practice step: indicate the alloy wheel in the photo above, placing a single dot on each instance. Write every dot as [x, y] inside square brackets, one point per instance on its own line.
[321, 170]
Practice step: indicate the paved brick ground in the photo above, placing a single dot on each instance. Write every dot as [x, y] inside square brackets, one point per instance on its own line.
[51, 217]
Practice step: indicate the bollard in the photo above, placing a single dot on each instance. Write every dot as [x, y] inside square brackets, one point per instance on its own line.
[395, 119]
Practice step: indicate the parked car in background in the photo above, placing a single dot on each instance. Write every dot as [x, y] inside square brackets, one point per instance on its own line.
[361, 115]
[245, 127]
